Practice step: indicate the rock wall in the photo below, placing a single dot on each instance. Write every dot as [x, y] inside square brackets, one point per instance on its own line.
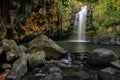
[25, 19]
[110, 35]
[44, 20]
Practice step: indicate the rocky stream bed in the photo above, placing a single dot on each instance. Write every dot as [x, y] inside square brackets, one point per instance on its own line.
[43, 59]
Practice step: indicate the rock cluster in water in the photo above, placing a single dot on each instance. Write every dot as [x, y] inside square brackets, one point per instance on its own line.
[21, 59]
[43, 59]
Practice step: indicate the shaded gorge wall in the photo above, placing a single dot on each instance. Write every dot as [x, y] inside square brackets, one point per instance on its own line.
[24, 19]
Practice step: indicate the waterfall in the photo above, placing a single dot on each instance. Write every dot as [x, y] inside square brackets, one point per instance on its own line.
[69, 58]
[80, 22]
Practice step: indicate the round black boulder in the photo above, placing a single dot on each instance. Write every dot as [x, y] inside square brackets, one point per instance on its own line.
[101, 57]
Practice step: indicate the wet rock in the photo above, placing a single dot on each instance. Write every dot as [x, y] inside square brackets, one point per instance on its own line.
[109, 74]
[77, 74]
[67, 66]
[5, 66]
[29, 77]
[8, 44]
[54, 76]
[65, 61]
[22, 48]
[10, 47]
[42, 42]
[40, 75]
[77, 63]
[46, 73]
[55, 69]
[101, 57]
[36, 59]
[53, 73]
[115, 65]
[81, 56]
[35, 74]
[18, 70]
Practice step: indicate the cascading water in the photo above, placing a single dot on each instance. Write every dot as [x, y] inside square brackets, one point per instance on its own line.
[80, 22]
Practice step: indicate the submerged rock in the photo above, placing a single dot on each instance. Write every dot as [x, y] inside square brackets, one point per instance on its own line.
[18, 70]
[36, 59]
[51, 49]
[101, 57]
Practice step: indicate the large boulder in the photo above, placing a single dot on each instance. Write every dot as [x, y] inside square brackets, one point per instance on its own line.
[109, 74]
[21, 49]
[18, 70]
[54, 76]
[36, 59]
[10, 47]
[51, 49]
[101, 57]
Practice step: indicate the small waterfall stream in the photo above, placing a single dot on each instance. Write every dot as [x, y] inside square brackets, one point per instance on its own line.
[69, 58]
[80, 22]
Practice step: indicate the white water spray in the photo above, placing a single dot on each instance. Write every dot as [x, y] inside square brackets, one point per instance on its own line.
[80, 22]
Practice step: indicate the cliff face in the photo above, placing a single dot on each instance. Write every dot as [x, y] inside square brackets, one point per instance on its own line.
[23, 19]
[110, 32]
[44, 20]
[49, 19]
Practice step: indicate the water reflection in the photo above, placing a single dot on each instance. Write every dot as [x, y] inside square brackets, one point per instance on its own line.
[85, 46]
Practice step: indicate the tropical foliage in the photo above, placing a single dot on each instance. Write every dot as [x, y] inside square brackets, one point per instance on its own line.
[65, 6]
[88, 1]
[105, 14]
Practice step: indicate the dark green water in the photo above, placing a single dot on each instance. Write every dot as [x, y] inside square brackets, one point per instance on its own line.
[85, 46]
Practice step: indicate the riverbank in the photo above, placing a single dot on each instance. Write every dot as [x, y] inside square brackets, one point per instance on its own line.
[43, 59]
